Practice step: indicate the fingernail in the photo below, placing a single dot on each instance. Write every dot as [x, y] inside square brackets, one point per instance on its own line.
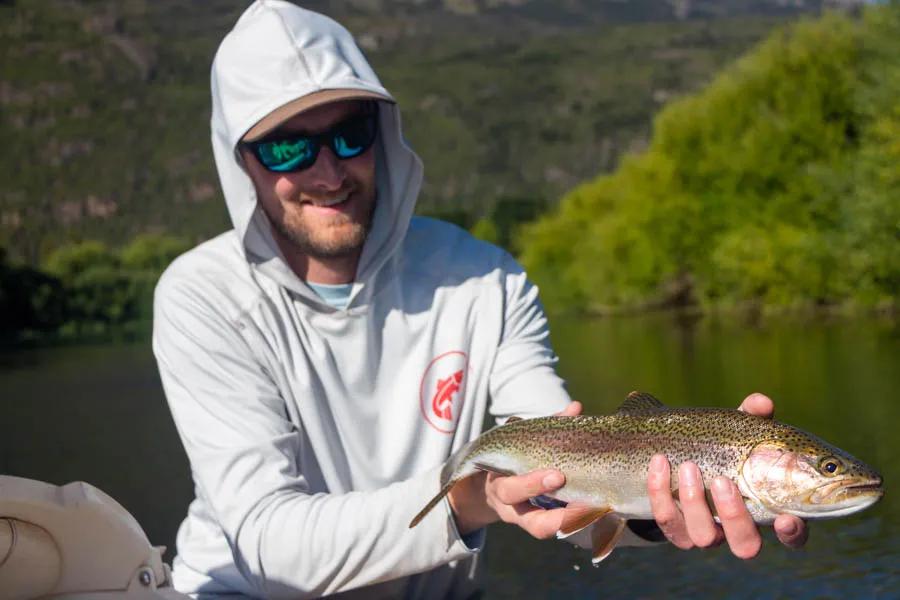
[723, 488]
[552, 480]
[790, 530]
[689, 475]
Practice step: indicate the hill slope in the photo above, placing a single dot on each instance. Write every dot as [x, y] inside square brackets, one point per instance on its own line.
[104, 105]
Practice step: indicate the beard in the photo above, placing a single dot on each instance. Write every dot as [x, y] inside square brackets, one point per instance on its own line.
[340, 237]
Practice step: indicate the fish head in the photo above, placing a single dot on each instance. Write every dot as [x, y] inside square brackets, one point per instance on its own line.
[799, 474]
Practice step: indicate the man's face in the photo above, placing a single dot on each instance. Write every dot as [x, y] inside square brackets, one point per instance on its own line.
[324, 211]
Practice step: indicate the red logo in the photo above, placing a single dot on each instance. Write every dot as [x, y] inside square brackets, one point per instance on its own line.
[441, 391]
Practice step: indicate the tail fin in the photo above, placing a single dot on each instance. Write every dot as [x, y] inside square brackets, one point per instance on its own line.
[432, 503]
[454, 470]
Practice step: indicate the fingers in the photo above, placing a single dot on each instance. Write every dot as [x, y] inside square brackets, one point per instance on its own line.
[666, 513]
[740, 530]
[791, 531]
[508, 496]
[519, 488]
[571, 410]
[759, 405]
[542, 524]
[697, 518]
[691, 524]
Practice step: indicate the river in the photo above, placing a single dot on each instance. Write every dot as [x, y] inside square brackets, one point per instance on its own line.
[96, 413]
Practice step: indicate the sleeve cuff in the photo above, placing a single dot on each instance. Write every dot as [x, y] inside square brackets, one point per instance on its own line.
[475, 541]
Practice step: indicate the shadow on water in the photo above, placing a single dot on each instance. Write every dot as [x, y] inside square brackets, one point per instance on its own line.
[97, 413]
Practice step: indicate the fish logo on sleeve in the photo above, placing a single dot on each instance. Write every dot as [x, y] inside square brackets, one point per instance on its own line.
[442, 390]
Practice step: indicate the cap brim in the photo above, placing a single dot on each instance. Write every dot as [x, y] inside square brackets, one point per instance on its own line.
[284, 112]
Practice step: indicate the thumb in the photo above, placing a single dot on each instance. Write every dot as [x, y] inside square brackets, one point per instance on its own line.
[759, 405]
[571, 410]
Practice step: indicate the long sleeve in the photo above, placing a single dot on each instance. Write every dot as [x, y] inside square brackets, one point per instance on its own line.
[243, 448]
[523, 379]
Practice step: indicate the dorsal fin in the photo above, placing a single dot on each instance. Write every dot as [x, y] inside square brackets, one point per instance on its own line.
[513, 419]
[638, 402]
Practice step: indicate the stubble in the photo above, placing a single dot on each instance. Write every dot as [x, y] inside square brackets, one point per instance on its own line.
[338, 238]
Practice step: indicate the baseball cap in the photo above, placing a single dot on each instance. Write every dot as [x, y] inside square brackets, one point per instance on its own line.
[284, 112]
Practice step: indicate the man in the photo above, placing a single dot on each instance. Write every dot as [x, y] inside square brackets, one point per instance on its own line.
[323, 358]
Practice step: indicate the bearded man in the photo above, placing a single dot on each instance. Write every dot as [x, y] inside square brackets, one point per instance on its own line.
[324, 357]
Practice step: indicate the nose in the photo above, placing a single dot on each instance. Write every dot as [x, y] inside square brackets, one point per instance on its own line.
[327, 173]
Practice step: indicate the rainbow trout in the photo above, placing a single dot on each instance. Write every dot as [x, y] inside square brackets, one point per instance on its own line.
[778, 469]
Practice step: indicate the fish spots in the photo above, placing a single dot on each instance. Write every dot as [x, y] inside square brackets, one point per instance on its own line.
[612, 450]
[778, 468]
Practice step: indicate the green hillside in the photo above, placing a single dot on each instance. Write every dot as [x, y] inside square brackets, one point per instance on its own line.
[104, 105]
[777, 185]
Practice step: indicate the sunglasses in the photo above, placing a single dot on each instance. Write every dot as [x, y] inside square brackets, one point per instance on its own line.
[290, 153]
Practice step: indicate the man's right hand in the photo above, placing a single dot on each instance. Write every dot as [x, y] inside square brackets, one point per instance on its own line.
[486, 498]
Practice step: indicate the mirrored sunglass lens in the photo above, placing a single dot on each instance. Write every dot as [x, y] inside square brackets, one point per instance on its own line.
[285, 155]
[354, 138]
[345, 148]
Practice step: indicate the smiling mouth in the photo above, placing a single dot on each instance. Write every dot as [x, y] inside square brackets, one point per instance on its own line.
[329, 202]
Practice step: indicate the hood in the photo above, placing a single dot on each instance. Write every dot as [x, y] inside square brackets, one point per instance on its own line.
[276, 53]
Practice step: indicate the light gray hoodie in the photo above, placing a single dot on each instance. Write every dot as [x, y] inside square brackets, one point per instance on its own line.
[315, 434]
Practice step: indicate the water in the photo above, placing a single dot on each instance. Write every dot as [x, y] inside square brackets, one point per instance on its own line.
[97, 413]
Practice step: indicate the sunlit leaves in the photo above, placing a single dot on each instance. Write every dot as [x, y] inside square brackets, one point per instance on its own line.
[777, 184]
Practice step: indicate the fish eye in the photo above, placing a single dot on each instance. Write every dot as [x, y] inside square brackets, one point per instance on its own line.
[830, 466]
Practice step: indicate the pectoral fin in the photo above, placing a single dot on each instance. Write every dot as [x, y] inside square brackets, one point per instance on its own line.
[605, 536]
[577, 517]
[492, 469]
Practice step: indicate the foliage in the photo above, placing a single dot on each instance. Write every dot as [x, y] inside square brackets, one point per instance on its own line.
[104, 105]
[485, 229]
[85, 286]
[501, 224]
[777, 184]
[29, 299]
[71, 261]
[152, 252]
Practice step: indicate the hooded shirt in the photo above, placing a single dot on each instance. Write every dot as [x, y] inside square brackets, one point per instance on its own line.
[314, 433]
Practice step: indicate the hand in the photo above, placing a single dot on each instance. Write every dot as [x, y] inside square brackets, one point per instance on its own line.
[693, 525]
[485, 498]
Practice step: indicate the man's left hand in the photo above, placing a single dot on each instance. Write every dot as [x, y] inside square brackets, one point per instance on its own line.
[693, 525]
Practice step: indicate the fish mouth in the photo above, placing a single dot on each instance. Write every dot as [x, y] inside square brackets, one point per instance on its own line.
[839, 499]
[874, 486]
[847, 492]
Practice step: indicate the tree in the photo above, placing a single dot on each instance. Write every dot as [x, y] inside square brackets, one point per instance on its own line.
[775, 184]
